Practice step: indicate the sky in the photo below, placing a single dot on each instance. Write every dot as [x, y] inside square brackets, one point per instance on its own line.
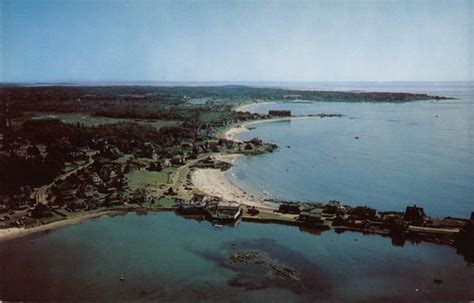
[68, 40]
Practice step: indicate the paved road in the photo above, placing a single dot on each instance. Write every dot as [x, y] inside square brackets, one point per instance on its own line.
[41, 194]
[178, 179]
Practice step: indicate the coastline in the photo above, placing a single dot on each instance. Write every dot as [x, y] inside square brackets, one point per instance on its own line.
[218, 183]
[17, 232]
[215, 182]
[243, 127]
[249, 106]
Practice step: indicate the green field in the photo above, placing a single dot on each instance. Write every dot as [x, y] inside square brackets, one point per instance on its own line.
[166, 202]
[144, 178]
[89, 120]
[211, 116]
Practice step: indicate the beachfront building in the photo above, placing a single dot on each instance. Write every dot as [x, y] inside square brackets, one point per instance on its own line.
[311, 216]
[362, 213]
[223, 211]
[332, 207]
[289, 208]
[414, 215]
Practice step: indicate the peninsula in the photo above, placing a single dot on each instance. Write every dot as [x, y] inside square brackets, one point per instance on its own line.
[70, 153]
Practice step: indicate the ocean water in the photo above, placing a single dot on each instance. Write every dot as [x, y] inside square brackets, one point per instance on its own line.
[410, 153]
[164, 257]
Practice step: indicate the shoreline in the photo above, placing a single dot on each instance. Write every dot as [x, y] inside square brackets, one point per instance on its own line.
[249, 106]
[417, 233]
[17, 232]
[242, 127]
[215, 182]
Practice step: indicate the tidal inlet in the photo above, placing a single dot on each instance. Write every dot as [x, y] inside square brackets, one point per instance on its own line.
[236, 151]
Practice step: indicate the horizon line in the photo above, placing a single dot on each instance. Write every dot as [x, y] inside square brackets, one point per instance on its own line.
[221, 82]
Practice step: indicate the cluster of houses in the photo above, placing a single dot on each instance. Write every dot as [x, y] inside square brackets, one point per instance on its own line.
[21, 200]
[101, 184]
[246, 116]
[412, 224]
[208, 130]
[279, 113]
[13, 208]
[333, 213]
[209, 162]
[25, 149]
[212, 208]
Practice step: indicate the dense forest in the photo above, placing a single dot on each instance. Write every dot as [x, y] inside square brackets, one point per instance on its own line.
[164, 102]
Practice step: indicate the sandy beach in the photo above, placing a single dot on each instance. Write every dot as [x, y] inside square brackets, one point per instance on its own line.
[16, 232]
[249, 107]
[232, 133]
[214, 182]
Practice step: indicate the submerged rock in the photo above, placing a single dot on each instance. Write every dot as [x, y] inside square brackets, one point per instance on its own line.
[262, 270]
[241, 257]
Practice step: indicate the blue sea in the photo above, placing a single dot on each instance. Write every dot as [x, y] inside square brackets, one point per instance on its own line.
[167, 258]
[386, 156]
